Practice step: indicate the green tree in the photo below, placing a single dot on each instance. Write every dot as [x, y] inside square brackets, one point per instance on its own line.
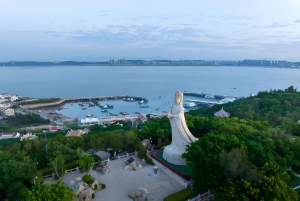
[58, 166]
[204, 156]
[13, 170]
[85, 163]
[272, 187]
[52, 192]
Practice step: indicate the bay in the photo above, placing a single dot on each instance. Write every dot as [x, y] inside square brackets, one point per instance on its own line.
[150, 82]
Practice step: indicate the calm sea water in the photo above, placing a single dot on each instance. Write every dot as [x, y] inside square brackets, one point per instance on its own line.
[147, 81]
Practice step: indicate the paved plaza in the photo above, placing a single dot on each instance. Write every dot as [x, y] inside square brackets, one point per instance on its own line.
[120, 182]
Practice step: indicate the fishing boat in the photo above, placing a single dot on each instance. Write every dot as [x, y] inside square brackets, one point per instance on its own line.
[209, 96]
[88, 115]
[84, 108]
[141, 102]
[188, 104]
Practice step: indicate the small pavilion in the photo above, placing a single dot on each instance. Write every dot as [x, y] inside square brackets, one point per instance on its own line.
[222, 114]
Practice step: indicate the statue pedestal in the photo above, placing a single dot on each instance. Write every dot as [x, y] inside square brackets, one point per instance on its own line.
[173, 155]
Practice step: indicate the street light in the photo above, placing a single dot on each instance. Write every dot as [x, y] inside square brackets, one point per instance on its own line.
[34, 180]
[46, 145]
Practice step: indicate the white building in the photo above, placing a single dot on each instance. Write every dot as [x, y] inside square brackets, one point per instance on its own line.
[9, 135]
[28, 136]
[7, 111]
[88, 121]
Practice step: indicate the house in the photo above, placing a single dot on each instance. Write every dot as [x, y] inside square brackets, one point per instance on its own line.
[6, 111]
[53, 129]
[142, 118]
[77, 133]
[88, 121]
[9, 135]
[28, 136]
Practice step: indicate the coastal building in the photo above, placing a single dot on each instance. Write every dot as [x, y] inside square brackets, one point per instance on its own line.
[53, 129]
[142, 118]
[77, 133]
[9, 135]
[7, 111]
[222, 114]
[28, 136]
[88, 121]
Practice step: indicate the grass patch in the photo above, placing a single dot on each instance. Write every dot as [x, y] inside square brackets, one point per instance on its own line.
[296, 182]
[39, 179]
[186, 193]
[180, 168]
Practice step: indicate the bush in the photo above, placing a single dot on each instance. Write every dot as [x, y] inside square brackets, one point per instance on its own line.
[71, 165]
[24, 194]
[13, 189]
[87, 179]
[149, 161]
[103, 186]
[142, 153]
[96, 187]
[93, 195]
[163, 144]
[96, 165]
[96, 157]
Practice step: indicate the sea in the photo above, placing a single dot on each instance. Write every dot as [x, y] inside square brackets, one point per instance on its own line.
[157, 83]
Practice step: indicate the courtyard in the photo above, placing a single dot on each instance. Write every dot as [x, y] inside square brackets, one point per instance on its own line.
[119, 182]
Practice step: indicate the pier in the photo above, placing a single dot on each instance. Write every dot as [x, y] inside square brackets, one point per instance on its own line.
[71, 100]
[199, 94]
[202, 103]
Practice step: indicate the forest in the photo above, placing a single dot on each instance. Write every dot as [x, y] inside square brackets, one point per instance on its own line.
[252, 155]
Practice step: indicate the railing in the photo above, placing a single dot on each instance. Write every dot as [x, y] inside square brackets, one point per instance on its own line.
[108, 160]
[207, 196]
[182, 175]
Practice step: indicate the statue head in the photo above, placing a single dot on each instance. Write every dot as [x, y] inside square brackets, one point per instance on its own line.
[178, 97]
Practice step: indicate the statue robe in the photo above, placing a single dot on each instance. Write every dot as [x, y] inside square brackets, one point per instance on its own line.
[181, 136]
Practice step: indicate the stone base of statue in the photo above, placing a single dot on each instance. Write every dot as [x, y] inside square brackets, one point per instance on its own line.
[173, 155]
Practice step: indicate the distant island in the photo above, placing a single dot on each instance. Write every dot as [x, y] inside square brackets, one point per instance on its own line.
[123, 62]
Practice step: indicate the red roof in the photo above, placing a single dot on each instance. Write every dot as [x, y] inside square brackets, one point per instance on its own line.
[113, 121]
[141, 117]
[53, 127]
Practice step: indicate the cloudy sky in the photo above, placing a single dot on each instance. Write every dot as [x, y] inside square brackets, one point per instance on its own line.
[96, 30]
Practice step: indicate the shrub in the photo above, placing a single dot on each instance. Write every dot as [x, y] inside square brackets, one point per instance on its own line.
[24, 194]
[96, 187]
[103, 186]
[96, 157]
[96, 165]
[87, 179]
[149, 161]
[142, 153]
[93, 195]
[163, 144]
[13, 189]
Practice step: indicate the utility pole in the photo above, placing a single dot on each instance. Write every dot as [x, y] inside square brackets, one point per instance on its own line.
[46, 146]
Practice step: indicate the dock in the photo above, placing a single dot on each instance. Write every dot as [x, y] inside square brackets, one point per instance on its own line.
[71, 100]
[199, 94]
[202, 103]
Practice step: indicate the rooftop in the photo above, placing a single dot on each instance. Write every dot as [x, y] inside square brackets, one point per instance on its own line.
[222, 114]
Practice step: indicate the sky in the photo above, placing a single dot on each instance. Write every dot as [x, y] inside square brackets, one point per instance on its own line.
[99, 30]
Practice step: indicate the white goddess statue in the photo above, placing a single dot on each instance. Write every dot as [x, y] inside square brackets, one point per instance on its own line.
[181, 136]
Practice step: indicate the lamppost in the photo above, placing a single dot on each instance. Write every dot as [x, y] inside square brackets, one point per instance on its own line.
[46, 145]
[34, 180]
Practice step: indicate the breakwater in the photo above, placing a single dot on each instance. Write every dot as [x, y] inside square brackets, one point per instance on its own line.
[216, 96]
[84, 99]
